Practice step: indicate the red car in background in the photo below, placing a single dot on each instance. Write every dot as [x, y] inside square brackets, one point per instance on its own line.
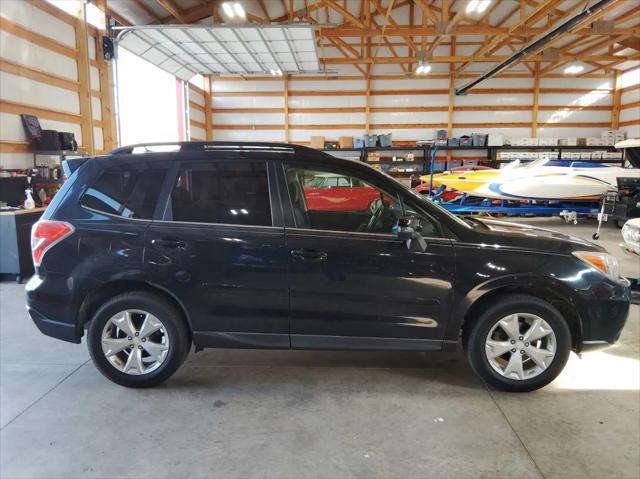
[329, 192]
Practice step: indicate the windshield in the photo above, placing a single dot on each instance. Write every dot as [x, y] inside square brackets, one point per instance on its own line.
[536, 163]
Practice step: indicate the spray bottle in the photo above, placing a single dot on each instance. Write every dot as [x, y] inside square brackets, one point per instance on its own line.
[29, 204]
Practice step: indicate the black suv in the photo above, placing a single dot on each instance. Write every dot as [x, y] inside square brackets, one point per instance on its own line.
[232, 245]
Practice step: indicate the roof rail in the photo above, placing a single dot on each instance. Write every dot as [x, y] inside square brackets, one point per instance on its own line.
[191, 146]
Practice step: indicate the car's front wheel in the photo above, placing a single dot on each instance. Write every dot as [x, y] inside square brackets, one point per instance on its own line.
[138, 339]
[519, 344]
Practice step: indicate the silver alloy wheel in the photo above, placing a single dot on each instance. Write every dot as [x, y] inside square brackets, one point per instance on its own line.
[520, 346]
[135, 342]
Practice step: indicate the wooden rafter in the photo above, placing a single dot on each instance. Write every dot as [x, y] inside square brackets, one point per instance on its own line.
[173, 9]
[344, 12]
[426, 10]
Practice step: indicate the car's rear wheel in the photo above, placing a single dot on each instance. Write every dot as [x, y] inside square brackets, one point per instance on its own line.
[521, 343]
[138, 339]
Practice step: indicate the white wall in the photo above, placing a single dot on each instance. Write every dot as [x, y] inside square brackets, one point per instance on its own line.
[427, 92]
[31, 86]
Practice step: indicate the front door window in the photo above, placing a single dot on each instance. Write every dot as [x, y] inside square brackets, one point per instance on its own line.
[325, 200]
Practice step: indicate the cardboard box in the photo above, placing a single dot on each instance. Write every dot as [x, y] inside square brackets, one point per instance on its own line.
[495, 139]
[373, 156]
[345, 142]
[317, 142]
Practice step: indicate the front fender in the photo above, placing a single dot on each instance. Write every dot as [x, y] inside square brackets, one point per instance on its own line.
[517, 283]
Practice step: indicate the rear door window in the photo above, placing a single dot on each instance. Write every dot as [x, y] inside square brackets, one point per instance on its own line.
[235, 193]
[129, 193]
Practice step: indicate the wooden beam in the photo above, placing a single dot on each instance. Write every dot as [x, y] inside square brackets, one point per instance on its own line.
[84, 80]
[344, 12]
[413, 126]
[426, 10]
[14, 147]
[107, 104]
[17, 108]
[617, 99]
[631, 42]
[208, 108]
[35, 74]
[460, 59]
[199, 124]
[173, 9]
[476, 29]
[286, 108]
[367, 105]
[632, 104]
[536, 101]
[264, 10]
[452, 89]
[37, 39]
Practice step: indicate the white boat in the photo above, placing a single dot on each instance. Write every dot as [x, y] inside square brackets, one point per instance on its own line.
[542, 179]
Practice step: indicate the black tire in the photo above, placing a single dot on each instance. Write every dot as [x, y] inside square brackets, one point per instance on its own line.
[171, 318]
[502, 307]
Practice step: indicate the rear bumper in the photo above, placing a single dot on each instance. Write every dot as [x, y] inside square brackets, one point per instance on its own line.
[53, 302]
[55, 329]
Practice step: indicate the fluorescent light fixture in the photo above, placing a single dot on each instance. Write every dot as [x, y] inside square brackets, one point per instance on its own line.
[423, 69]
[228, 9]
[276, 73]
[239, 10]
[573, 69]
[483, 5]
[478, 6]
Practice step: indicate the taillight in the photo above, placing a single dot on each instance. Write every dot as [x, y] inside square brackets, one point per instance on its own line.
[45, 234]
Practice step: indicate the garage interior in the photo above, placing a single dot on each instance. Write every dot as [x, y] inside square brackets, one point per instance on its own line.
[411, 87]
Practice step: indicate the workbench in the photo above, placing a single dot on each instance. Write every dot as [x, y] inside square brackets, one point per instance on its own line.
[15, 243]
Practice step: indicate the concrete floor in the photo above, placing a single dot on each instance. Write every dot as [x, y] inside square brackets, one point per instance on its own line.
[302, 414]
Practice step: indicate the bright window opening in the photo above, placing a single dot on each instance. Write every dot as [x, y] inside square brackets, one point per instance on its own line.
[148, 102]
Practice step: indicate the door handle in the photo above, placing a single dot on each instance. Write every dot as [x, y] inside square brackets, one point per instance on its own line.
[309, 254]
[168, 243]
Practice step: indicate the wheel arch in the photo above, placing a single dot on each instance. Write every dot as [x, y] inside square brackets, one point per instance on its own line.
[551, 291]
[108, 289]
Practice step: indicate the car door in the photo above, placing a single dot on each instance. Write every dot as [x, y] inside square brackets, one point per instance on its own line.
[219, 248]
[354, 285]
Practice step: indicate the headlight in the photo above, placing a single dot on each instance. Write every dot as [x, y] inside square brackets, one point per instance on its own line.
[631, 234]
[603, 262]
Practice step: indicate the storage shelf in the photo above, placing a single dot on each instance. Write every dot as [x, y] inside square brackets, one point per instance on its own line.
[491, 153]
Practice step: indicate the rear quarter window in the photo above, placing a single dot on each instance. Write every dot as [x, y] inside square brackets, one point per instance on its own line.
[127, 193]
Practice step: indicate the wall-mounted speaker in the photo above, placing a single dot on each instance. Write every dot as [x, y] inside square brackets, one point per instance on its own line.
[108, 49]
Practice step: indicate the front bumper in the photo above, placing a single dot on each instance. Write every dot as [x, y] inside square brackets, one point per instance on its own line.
[604, 315]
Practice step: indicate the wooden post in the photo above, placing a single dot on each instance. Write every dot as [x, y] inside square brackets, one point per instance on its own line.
[106, 99]
[617, 99]
[367, 105]
[208, 113]
[536, 101]
[452, 96]
[84, 81]
[286, 108]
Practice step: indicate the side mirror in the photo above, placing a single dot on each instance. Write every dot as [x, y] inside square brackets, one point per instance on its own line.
[409, 229]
